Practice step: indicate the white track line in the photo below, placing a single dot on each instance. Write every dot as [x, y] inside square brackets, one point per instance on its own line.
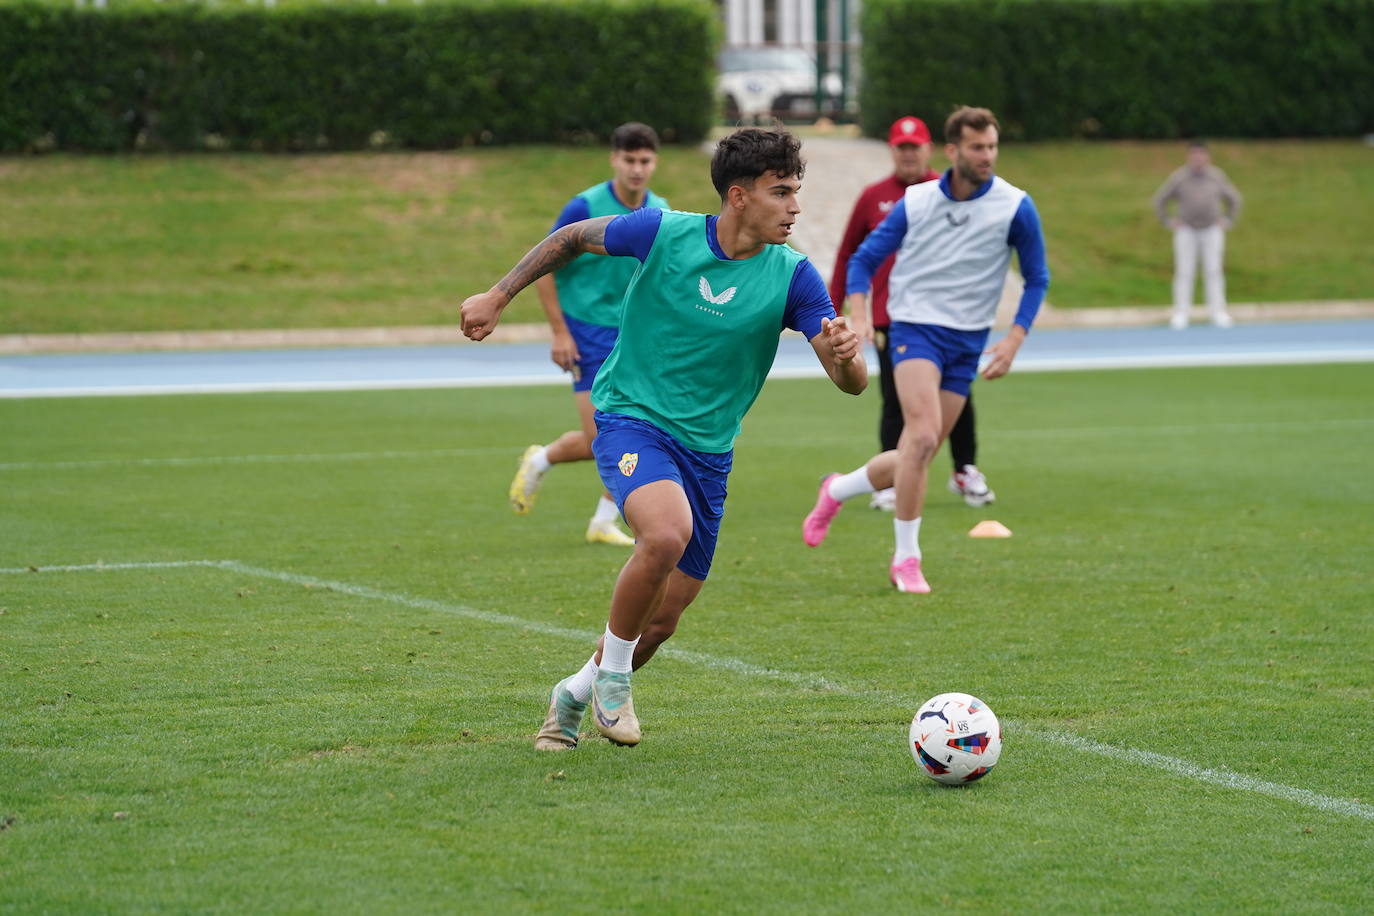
[99, 391]
[1195, 360]
[1147, 759]
[1028, 363]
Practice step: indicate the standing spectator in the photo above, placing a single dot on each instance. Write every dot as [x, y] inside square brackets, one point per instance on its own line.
[908, 141]
[1199, 226]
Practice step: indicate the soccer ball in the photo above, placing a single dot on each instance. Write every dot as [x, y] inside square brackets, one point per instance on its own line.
[955, 738]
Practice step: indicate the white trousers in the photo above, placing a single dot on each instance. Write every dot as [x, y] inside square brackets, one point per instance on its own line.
[1205, 245]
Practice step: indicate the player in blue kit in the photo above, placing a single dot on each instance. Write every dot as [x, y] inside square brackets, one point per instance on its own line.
[582, 303]
[699, 330]
[953, 240]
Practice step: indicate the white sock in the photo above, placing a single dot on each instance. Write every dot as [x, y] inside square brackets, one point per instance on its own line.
[605, 511]
[908, 539]
[539, 461]
[617, 655]
[848, 486]
[580, 684]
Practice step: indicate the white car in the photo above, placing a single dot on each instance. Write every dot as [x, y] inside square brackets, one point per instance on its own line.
[764, 82]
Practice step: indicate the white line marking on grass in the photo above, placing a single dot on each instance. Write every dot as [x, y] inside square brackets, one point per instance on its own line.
[1205, 774]
[1148, 759]
[586, 636]
[110, 567]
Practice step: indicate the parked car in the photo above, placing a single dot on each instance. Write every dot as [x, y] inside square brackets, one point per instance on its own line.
[765, 82]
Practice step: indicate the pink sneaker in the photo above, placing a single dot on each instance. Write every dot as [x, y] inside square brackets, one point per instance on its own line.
[906, 575]
[816, 525]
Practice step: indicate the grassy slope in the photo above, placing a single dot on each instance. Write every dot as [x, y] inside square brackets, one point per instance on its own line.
[225, 242]
[1188, 577]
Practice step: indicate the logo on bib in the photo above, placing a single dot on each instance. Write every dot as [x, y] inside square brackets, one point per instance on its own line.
[712, 298]
[956, 223]
[628, 462]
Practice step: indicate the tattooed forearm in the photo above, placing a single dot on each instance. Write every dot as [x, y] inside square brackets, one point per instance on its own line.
[555, 251]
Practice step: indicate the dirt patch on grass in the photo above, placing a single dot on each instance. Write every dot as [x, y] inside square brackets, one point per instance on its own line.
[421, 174]
[344, 750]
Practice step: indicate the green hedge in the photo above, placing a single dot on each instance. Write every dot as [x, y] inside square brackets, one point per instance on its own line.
[1125, 68]
[184, 76]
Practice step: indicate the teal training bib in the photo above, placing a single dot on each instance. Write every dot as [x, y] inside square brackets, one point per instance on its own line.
[591, 287]
[697, 336]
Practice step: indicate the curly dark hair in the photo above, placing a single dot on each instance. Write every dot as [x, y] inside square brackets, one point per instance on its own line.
[749, 152]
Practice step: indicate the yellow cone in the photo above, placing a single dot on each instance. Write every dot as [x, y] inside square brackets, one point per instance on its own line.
[990, 529]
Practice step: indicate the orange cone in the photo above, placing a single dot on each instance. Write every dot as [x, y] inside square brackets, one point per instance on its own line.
[990, 529]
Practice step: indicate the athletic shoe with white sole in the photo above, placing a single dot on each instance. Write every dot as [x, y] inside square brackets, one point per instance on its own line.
[608, 532]
[559, 732]
[970, 483]
[885, 500]
[1223, 320]
[1178, 321]
[613, 711]
[906, 575]
[817, 523]
[525, 487]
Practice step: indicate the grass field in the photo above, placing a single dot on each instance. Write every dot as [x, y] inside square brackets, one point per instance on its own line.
[314, 685]
[206, 242]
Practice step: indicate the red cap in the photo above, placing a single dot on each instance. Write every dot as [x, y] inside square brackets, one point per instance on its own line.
[908, 130]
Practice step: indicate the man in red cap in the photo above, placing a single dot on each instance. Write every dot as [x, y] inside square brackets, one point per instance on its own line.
[909, 142]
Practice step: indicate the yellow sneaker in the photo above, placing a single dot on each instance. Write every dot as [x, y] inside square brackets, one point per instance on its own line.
[613, 710]
[608, 532]
[525, 487]
[559, 731]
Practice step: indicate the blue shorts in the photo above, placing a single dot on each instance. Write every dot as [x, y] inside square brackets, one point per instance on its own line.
[954, 352]
[631, 452]
[594, 343]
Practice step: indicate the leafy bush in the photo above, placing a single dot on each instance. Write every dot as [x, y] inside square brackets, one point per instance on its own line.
[1125, 68]
[186, 76]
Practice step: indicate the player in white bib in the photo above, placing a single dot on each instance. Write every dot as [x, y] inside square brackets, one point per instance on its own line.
[953, 240]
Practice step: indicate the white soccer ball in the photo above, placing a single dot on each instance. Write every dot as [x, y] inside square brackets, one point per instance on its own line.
[955, 738]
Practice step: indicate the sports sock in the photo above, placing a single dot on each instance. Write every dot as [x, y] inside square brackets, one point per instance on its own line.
[848, 486]
[605, 511]
[539, 461]
[908, 539]
[580, 684]
[963, 438]
[617, 655]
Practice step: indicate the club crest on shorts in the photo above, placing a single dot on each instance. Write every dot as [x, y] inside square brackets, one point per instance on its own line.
[628, 462]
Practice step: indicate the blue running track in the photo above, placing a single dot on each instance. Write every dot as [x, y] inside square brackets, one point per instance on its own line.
[465, 364]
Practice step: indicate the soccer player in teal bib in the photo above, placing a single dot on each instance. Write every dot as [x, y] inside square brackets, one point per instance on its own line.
[582, 303]
[698, 334]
